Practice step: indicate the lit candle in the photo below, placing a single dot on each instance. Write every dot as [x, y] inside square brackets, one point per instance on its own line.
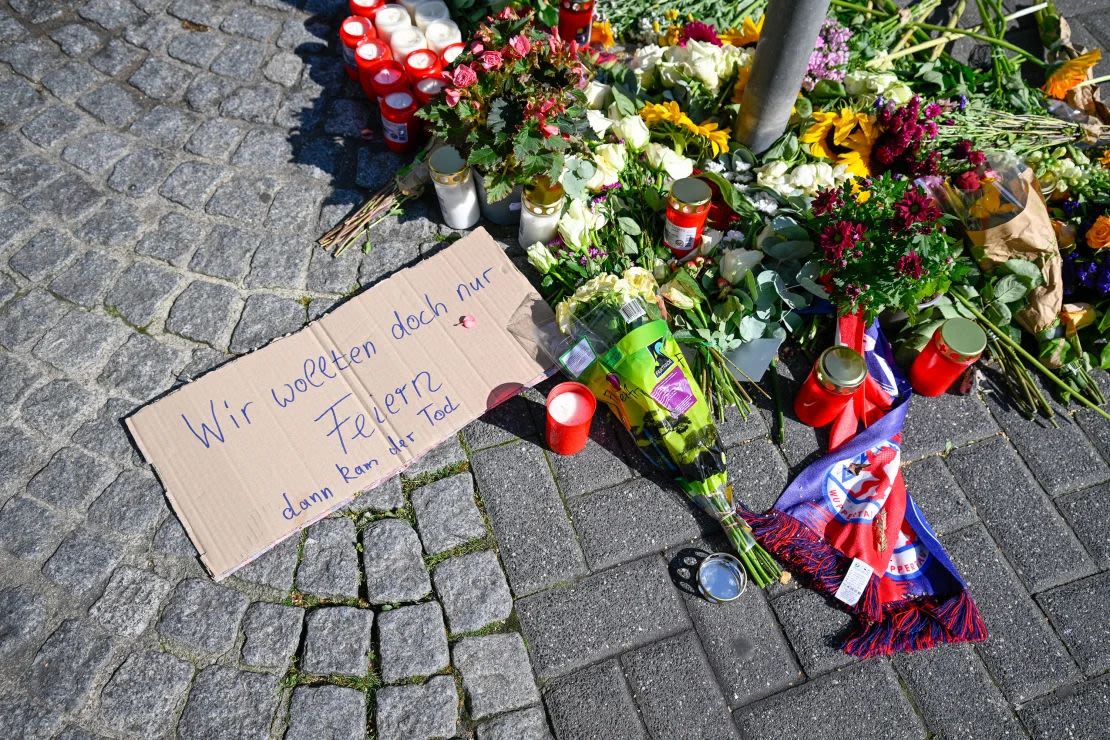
[542, 205]
[427, 88]
[351, 33]
[404, 41]
[454, 182]
[687, 209]
[576, 18]
[366, 8]
[570, 409]
[389, 20]
[429, 11]
[451, 52]
[389, 78]
[399, 127]
[369, 56]
[442, 34]
[421, 63]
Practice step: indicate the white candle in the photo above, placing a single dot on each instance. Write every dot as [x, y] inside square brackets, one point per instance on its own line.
[442, 34]
[454, 183]
[389, 20]
[451, 53]
[541, 206]
[430, 11]
[404, 41]
[410, 5]
[569, 409]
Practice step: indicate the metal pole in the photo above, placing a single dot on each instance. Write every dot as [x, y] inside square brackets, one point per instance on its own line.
[782, 56]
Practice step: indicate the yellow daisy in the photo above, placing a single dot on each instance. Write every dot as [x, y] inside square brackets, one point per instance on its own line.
[668, 112]
[747, 34]
[1071, 73]
[817, 135]
[852, 136]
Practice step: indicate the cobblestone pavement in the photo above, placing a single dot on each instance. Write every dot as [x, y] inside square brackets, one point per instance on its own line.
[167, 164]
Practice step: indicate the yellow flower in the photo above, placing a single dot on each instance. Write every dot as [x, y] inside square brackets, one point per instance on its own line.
[1075, 316]
[602, 34]
[748, 33]
[861, 195]
[852, 136]
[817, 135]
[1071, 73]
[641, 282]
[671, 15]
[1105, 159]
[718, 137]
[668, 112]
[671, 37]
[742, 76]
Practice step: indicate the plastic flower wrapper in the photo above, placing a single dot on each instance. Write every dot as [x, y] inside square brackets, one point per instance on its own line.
[621, 348]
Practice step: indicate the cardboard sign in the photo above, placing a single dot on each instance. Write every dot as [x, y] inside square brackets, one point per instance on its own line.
[271, 442]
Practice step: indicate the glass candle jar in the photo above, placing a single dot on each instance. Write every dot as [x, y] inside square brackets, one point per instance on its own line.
[956, 344]
[441, 34]
[451, 52]
[390, 19]
[410, 6]
[370, 55]
[422, 63]
[399, 125]
[576, 19]
[430, 11]
[836, 375]
[366, 8]
[454, 182]
[353, 31]
[388, 79]
[404, 41]
[541, 206]
[687, 209]
[428, 89]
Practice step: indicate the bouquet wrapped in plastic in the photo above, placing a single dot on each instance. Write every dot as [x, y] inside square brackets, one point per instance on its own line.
[620, 347]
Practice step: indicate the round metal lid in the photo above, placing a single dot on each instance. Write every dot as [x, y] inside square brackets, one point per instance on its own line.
[842, 366]
[543, 192]
[691, 191]
[721, 577]
[963, 336]
[446, 161]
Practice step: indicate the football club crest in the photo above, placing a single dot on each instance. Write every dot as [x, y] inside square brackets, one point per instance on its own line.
[856, 489]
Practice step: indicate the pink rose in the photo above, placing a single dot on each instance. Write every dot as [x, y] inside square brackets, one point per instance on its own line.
[477, 47]
[464, 76]
[453, 96]
[490, 60]
[521, 45]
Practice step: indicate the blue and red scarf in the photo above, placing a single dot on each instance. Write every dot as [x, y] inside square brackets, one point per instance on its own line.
[852, 504]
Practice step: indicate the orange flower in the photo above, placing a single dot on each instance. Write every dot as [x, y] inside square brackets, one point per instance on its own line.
[1071, 73]
[1105, 160]
[602, 34]
[742, 76]
[1076, 316]
[1098, 236]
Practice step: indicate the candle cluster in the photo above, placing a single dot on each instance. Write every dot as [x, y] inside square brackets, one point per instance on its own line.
[397, 52]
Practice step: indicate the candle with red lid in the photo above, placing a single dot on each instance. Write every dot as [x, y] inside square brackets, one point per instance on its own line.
[400, 128]
[387, 79]
[390, 19]
[422, 63]
[576, 19]
[835, 377]
[570, 409]
[370, 55]
[366, 8]
[687, 209]
[451, 52]
[427, 89]
[353, 31]
[956, 344]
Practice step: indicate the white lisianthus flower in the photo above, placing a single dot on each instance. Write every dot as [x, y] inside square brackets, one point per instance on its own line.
[634, 132]
[598, 121]
[664, 158]
[598, 95]
[541, 258]
[577, 222]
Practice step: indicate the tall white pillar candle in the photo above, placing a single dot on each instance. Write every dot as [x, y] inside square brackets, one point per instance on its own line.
[541, 206]
[442, 34]
[405, 41]
[389, 20]
[430, 11]
[455, 190]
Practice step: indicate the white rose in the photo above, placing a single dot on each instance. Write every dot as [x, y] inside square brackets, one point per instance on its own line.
[597, 95]
[598, 122]
[736, 263]
[610, 160]
[704, 59]
[644, 62]
[664, 158]
[900, 93]
[634, 132]
[576, 224]
[803, 177]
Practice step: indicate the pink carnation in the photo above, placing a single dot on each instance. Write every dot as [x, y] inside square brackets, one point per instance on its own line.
[490, 60]
[463, 76]
[521, 45]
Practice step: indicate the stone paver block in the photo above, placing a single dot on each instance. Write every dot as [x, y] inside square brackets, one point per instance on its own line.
[204, 312]
[244, 199]
[145, 692]
[141, 291]
[96, 152]
[165, 125]
[87, 280]
[266, 317]
[254, 103]
[815, 628]
[337, 640]
[112, 104]
[1088, 514]
[140, 172]
[28, 530]
[600, 615]
[473, 591]
[46, 253]
[174, 240]
[160, 79]
[394, 563]
[936, 492]
[273, 632]
[203, 616]
[279, 263]
[172, 541]
[295, 208]
[68, 664]
[600, 465]
[386, 496]
[70, 479]
[495, 673]
[52, 125]
[449, 452]
[1081, 713]
[758, 473]
[81, 342]
[226, 253]
[329, 712]
[419, 712]
[131, 506]
[528, 518]
[53, 408]
[105, 434]
[19, 456]
[934, 423]
[446, 514]
[191, 184]
[413, 642]
[675, 689]
[1043, 550]
[115, 224]
[197, 49]
[82, 562]
[1073, 611]
[130, 601]
[329, 567]
[524, 724]
[328, 274]
[142, 368]
[273, 568]
[16, 378]
[594, 702]
[216, 138]
[24, 320]
[225, 702]
[22, 716]
[22, 617]
[506, 421]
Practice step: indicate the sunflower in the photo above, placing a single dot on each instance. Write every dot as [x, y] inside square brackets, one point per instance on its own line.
[718, 137]
[747, 34]
[602, 34]
[742, 76]
[845, 137]
[1071, 73]
[668, 112]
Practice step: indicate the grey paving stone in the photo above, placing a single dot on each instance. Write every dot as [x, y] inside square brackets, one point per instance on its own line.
[22, 618]
[112, 103]
[204, 312]
[330, 712]
[105, 435]
[264, 149]
[295, 208]
[828, 707]
[17, 98]
[82, 562]
[426, 711]
[140, 172]
[54, 407]
[191, 184]
[165, 126]
[71, 197]
[115, 224]
[1023, 654]
[7, 288]
[273, 632]
[16, 378]
[600, 465]
[203, 616]
[53, 125]
[111, 14]
[279, 263]
[936, 492]
[337, 640]
[1078, 713]
[815, 629]
[80, 343]
[67, 83]
[131, 506]
[413, 642]
[22, 716]
[37, 11]
[145, 693]
[28, 530]
[447, 453]
[273, 568]
[346, 117]
[303, 36]
[376, 168]
[172, 540]
[27, 174]
[202, 12]
[216, 138]
[226, 253]
[329, 567]
[266, 317]
[20, 456]
[524, 724]
[142, 368]
[758, 474]
[933, 423]
[387, 496]
[76, 39]
[328, 274]
[31, 57]
[70, 479]
[208, 92]
[174, 240]
[536, 540]
[254, 103]
[600, 615]
[68, 664]
[225, 702]
[96, 152]
[389, 253]
[244, 199]
[284, 69]
[1088, 514]
[631, 520]
[676, 691]
[1043, 550]
[955, 694]
[24, 320]
[446, 514]
[1072, 609]
[86, 281]
[197, 49]
[505, 422]
[495, 673]
[594, 702]
[251, 23]
[75, 733]
[393, 562]
[160, 79]
[239, 59]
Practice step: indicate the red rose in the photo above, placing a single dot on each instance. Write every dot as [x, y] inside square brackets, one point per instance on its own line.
[966, 180]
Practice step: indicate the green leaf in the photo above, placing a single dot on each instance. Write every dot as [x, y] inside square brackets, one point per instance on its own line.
[628, 226]
[1025, 269]
[999, 314]
[732, 197]
[1104, 358]
[1009, 288]
[629, 244]
[484, 157]
[751, 328]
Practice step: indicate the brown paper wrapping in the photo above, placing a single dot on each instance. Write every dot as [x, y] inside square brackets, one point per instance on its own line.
[1028, 235]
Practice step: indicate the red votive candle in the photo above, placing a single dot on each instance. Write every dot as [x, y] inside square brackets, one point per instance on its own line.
[570, 409]
[352, 32]
[365, 8]
[399, 125]
[451, 52]
[835, 377]
[428, 89]
[388, 78]
[422, 63]
[687, 210]
[956, 344]
[370, 55]
[576, 19]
